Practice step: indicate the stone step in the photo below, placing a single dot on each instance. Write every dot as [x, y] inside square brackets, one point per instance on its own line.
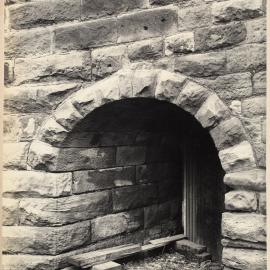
[188, 247]
[107, 266]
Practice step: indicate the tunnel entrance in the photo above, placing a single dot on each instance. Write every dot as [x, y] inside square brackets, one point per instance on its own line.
[164, 162]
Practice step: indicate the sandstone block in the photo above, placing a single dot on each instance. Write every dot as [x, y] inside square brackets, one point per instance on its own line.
[147, 24]
[254, 106]
[238, 157]
[256, 31]
[219, 36]
[262, 202]
[237, 10]
[226, 242]
[252, 179]
[40, 13]
[212, 111]
[248, 227]
[146, 49]
[92, 180]
[228, 133]
[84, 35]
[241, 201]
[241, 58]
[259, 82]
[10, 213]
[180, 43]
[260, 153]
[201, 65]
[36, 184]
[65, 210]
[244, 259]
[130, 155]
[110, 225]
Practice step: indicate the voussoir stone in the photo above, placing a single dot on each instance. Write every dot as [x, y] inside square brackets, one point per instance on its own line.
[241, 226]
[238, 200]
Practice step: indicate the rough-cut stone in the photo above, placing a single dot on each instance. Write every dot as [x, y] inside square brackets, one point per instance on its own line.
[226, 242]
[252, 179]
[8, 71]
[259, 82]
[45, 240]
[248, 227]
[236, 107]
[36, 184]
[244, 259]
[263, 130]
[219, 36]
[169, 85]
[10, 213]
[240, 201]
[94, 9]
[28, 42]
[59, 211]
[192, 97]
[43, 12]
[254, 106]
[241, 58]
[237, 10]
[180, 43]
[146, 49]
[84, 181]
[147, 24]
[202, 65]
[130, 155]
[110, 225]
[238, 157]
[212, 111]
[83, 35]
[106, 61]
[262, 202]
[256, 31]
[228, 133]
[260, 153]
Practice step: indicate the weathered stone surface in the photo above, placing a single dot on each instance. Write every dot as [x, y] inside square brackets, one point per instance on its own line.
[146, 49]
[256, 31]
[10, 213]
[212, 111]
[169, 85]
[219, 36]
[59, 211]
[228, 133]
[43, 12]
[254, 106]
[106, 61]
[259, 82]
[130, 155]
[252, 179]
[93, 9]
[264, 130]
[244, 259]
[108, 266]
[134, 196]
[28, 42]
[15, 155]
[260, 153]
[238, 157]
[192, 97]
[83, 35]
[236, 10]
[226, 242]
[180, 43]
[84, 181]
[110, 225]
[45, 240]
[229, 86]
[248, 227]
[241, 58]
[73, 65]
[240, 201]
[147, 24]
[36, 184]
[262, 202]
[8, 71]
[236, 107]
[201, 65]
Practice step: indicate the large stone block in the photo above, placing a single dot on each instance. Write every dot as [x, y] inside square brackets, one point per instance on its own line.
[237, 10]
[244, 259]
[84, 35]
[238, 157]
[259, 82]
[130, 155]
[147, 24]
[36, 184]
[43, 12]
[254, 106]
[41, 212]
[201, 65]
[219, 36]
[111, 225]
[256, 31]
[10, 212]
[238, 200]
[247, 227]
[84, 181]
[45, 240]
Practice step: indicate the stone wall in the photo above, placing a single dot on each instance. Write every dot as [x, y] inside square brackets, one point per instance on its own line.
[77, 53]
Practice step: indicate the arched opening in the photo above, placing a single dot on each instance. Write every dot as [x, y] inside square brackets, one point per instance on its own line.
[153, 157]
